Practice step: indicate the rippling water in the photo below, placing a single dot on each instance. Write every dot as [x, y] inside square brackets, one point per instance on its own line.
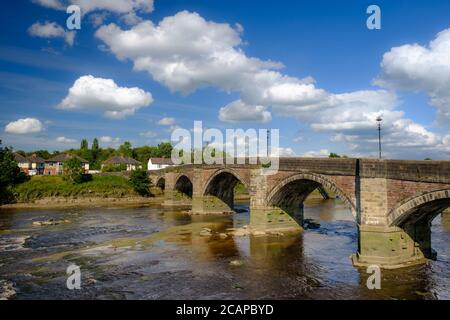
[158, 253]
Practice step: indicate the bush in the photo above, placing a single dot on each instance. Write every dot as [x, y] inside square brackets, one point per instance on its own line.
[140, 182]
[10, 175]
[82, 178]
[114, 168]
[73, 170]
[55, 186]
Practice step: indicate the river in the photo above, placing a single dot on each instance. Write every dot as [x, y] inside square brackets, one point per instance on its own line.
[153, 252]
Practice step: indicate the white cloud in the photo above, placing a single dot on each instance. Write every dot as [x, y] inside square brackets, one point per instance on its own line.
[99, 94]
[238, 111]
[322, 153]
[51, 30]
[110, 141]
[167, 121]
[283, 152]
[185, 52]
[421, 68]
[65, 140]
[24, 126]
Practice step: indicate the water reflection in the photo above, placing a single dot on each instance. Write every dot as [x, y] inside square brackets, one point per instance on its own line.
[158, 253]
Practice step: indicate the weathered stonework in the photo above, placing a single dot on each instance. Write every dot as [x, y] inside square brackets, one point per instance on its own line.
[393, 201]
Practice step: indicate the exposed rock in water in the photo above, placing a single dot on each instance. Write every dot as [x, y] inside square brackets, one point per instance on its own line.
[239, 232]
[206, 232]
[236, 263]
[258, 233]
[223, 235]
[50, 222]
[7, 290]
[310, 224]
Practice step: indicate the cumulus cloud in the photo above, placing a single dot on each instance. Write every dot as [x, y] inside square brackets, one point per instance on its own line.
[167, 121]
[421, 68]
[110, 141]
[51, 30]
[99, 94]
[65, 140]
[185, 52]
[238, 111]
[24, 126]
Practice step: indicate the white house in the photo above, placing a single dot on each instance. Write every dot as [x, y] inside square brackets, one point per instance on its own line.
[159, 163]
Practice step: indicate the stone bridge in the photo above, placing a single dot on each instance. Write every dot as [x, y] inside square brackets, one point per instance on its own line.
[393, 201]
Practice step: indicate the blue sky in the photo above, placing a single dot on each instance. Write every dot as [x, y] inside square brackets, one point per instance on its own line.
[326, 41]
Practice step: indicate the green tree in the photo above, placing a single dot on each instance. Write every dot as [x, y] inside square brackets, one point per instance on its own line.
[73, 171]
[165, 149]
[125, 149]
[334, 155]
[40, 153]
[84, 145]
[10, 175]
[95, 148]
[140, 182]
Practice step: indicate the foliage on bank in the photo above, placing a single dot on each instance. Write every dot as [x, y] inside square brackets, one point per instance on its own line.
[10, 175]
[56, 186]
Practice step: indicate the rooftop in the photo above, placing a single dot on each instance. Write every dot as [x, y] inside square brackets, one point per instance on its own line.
[121, 160]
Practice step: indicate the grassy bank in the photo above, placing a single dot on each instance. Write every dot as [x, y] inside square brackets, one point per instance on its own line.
[40, 187]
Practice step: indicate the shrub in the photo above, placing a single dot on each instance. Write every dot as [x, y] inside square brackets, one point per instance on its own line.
[114, 167]
[73, 170]
[140, 182]
[10, 175]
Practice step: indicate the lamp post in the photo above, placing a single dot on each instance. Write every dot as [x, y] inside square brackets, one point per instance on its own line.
[379, 120]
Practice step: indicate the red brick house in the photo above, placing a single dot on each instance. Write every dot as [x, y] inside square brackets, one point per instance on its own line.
[54, 165]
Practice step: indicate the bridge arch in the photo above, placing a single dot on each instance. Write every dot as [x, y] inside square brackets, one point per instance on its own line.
[424, 206]
[414, 215]
[184, 186]
[161, 183]
[221, 185]
[293, 190]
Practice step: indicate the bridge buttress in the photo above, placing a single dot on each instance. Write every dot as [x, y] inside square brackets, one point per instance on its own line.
[172, 196]
[268, 218]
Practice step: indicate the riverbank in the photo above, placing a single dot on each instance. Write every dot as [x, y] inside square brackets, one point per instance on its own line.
[54, 191]
[61, 202]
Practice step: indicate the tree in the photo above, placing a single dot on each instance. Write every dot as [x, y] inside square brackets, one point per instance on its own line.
[165, 149]
[334, 155]
[73, 171]
[140, 182]
[84, 145]
[95, 148]
[125, 149]
[10, 175]
[40, 153]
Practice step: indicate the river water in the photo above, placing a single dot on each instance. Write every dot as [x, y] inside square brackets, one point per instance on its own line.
[153, 252]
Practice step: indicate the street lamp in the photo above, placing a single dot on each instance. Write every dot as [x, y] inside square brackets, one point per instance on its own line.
[379, 120]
